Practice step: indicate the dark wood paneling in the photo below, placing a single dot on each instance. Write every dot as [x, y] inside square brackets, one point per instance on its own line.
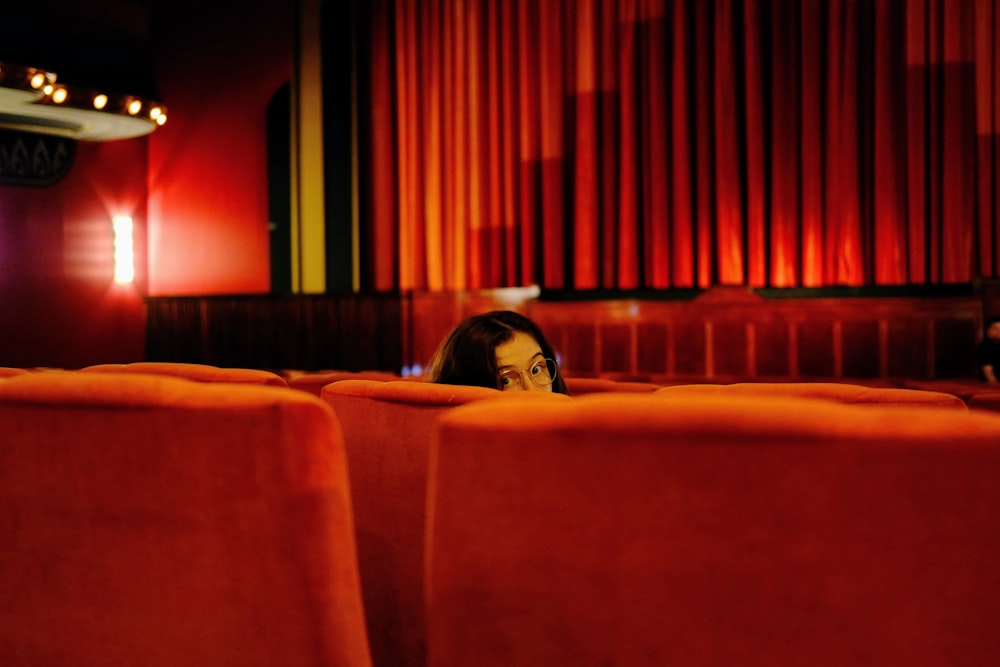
[688, 340]
[815, 349]
[771, 346]
[907, 348]
[579, 354]
[278, 332]
[616, 348]
[729, 349]
[750, 336]
[651, 339]
[953, 341]
[860, 349]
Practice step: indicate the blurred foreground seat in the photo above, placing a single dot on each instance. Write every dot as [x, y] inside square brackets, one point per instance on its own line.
[632, 530]
[579, 386]
[313, 383]
[831, 391]
[387, 432]
[161, 522]
[196, 372]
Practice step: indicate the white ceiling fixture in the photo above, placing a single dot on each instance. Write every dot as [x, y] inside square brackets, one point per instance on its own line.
[34, 100]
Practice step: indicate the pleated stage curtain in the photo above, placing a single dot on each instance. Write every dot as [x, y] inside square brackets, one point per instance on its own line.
[657, 144]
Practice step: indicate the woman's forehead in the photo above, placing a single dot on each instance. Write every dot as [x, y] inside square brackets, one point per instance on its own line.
[520, 350]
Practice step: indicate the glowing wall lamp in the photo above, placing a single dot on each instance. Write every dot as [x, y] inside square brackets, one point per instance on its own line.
[124, 256]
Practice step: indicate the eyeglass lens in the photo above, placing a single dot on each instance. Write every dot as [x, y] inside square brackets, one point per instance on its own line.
[542, 373]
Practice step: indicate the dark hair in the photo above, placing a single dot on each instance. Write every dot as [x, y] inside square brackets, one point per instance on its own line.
[468, 355]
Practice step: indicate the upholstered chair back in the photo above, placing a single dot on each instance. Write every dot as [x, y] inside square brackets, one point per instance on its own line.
[155, 521]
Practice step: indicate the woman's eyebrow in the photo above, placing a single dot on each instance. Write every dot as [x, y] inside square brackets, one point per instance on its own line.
[533, 357]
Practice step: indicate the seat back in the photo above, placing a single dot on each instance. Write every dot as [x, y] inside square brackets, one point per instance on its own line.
[314, 382]
[579, 386]
[7, 371]
[830, 391]
[196, 372]
[387, 432]
[989, 402]
[629, 530]
[156, 521]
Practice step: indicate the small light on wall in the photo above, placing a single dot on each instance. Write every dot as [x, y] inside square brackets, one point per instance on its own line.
[134, 107]
[59, 95]
[124, 257]
[100, 101]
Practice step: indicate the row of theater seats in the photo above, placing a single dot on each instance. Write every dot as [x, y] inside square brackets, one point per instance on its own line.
[974, 394]
[152, 520]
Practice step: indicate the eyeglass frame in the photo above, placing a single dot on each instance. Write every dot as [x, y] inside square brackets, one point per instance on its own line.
[549, 364]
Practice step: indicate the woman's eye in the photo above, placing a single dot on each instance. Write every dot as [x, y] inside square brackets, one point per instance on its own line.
[536, 369]
[504, 380]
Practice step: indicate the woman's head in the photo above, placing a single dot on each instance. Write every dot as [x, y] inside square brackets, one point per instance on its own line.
[992, 328]
[501, 349]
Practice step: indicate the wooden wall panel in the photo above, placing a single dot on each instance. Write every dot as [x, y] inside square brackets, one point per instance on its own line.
[652, 342]
[816, 354]
[729, 349]
[952, 358]
[907, 348]
[344, 332]
[688, 342]
[860, 348]
[771, 349]
[723, 335]
[617, 348]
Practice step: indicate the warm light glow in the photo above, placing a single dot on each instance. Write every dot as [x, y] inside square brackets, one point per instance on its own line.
[100, 101]
[134, 107]
[38, 80]
[161, 119]
[59, 96]
[155, 112]
[48, 89]
[124, 256]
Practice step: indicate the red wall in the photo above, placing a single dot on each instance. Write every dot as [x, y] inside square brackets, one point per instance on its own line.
[60, 304]
[208, 204]
[196, 188]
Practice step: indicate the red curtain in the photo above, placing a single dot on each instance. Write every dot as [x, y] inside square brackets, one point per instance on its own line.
[622, 144]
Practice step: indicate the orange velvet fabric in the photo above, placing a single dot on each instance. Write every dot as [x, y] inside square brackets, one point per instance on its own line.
[314, 382]
[197, 372]
[964, 389]
[387, 431]
[579, 386]
[156, 521]
[831, 391]
[989, 402]
[629, 530]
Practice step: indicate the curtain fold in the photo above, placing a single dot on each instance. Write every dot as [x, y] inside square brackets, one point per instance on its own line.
[623, 144]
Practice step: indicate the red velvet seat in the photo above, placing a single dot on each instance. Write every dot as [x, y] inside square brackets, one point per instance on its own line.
[314, 382]
[6, 371]
[964, 388]
[579, 386]
[989, 402]
[629, 530]
[387, 431]
[197, 372]
[831, 391]
[155, 521]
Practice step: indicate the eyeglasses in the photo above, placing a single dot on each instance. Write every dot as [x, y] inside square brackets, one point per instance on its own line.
[542, 373]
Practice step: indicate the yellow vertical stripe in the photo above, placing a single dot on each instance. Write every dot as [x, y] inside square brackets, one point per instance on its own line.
[308, 238]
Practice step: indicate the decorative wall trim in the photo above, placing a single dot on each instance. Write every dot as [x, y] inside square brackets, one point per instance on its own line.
[37, 160]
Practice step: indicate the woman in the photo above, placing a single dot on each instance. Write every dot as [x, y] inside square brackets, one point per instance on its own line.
[501, 349]
[988, 352]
